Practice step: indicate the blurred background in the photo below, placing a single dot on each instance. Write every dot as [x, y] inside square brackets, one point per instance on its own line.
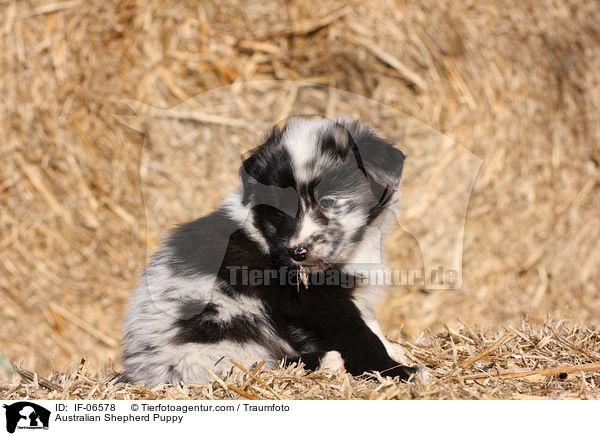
[515, 83]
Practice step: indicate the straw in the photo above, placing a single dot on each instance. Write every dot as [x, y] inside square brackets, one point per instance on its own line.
[84, 199]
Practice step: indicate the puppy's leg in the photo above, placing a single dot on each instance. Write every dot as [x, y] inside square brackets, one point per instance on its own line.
[319, 360]
[365, 299]
[360, 348]
[396, 352]
[372, 356]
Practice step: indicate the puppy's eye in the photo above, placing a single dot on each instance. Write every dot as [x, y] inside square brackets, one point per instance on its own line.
[326, 202]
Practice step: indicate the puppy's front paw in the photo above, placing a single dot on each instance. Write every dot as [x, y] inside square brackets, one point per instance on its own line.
[332, 360]
[397, 353]
[401, 371]
[424, 376]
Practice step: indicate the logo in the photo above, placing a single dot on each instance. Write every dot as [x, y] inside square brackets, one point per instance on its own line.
[432, 190]
[26, 415]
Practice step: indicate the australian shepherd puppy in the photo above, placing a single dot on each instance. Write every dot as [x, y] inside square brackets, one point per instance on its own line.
[272, 273]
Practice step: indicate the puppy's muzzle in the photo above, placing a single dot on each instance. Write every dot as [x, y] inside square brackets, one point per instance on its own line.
[298, 253]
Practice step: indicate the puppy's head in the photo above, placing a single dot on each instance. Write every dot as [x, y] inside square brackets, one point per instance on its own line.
[315, 186]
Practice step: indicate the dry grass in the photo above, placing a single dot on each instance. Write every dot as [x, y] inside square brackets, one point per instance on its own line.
[516, 83]
[550, 362]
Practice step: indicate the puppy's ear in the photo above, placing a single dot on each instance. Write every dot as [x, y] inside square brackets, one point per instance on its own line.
[249, 182]
[257, 193]
[381, 161]
[257, 167]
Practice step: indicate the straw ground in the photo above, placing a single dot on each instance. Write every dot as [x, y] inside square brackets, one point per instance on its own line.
[516, 83]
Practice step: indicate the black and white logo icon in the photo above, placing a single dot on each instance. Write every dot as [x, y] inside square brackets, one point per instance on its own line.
[26, 415]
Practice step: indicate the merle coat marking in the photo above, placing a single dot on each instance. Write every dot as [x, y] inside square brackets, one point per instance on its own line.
[315, 197]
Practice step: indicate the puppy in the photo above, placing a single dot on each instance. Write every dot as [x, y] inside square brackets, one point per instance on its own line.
[270, 274]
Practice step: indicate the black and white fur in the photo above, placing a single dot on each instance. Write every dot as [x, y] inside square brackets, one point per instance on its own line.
[325, 185]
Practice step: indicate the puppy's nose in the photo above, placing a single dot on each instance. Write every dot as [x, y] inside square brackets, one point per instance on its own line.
[298, 253]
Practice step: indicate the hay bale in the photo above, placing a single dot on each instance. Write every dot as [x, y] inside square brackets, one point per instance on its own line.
[517, 84]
